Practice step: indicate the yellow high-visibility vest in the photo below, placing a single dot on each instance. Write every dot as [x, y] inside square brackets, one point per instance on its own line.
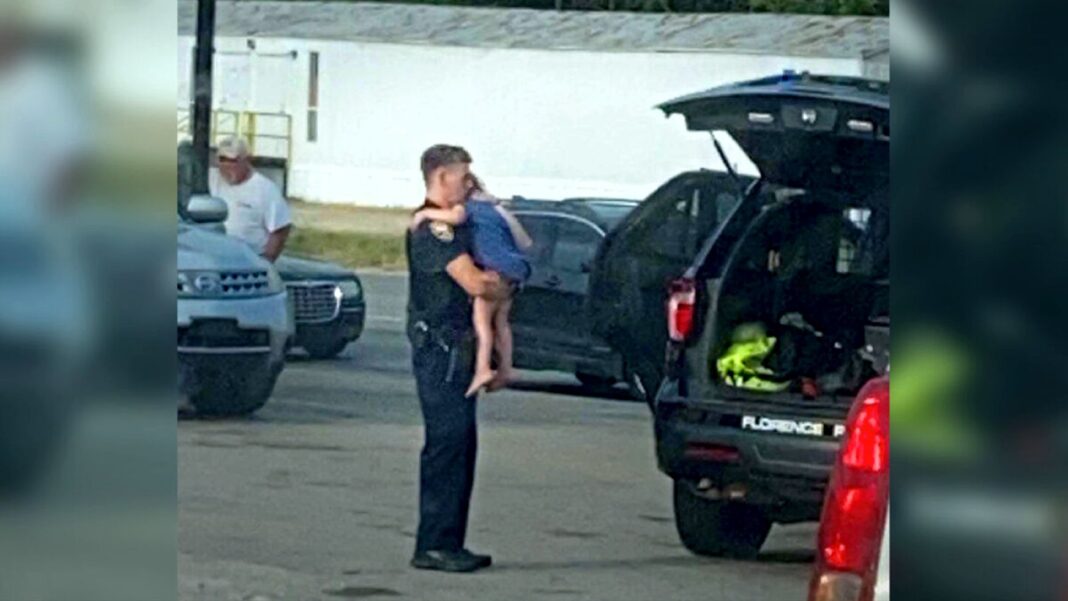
[742, 366]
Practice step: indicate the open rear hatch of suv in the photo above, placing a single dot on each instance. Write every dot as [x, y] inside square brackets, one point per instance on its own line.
[796, 312]
[801, 131]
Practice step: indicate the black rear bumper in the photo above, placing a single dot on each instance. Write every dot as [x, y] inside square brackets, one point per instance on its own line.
[784, 473]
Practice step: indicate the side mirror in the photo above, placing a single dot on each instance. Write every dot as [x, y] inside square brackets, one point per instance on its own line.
[206, 209]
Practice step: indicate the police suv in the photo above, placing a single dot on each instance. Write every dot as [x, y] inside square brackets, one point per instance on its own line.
[772, 298]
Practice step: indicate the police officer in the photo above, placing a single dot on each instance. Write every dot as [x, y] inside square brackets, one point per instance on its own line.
[442, 279]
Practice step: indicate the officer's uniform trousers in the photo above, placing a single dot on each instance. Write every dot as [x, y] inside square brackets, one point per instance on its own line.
[447, 462]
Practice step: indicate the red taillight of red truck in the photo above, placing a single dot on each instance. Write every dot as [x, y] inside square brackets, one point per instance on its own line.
[858, 496]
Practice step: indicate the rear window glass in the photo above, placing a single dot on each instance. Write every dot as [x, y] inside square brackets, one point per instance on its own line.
[576, 245]
[688, 219]
[542, 232]
[856, 223]
[611, 215]
[863, 247]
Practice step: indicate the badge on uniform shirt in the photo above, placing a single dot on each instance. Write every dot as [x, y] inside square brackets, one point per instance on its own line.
[441, 230]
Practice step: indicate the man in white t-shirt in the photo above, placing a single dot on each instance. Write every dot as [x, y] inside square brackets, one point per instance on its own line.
[258, 213]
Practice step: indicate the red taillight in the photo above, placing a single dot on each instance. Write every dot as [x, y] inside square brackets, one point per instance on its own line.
[683, 296]
[867, 447]
[854, 512]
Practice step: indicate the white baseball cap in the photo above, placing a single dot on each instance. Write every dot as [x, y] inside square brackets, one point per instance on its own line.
[233, 147]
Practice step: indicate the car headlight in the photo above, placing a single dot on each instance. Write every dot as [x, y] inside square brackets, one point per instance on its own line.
[199, 284]
[349, 289]
[185, 285]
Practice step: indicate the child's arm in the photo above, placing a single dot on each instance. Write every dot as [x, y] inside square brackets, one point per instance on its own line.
[522, 238]
[454, 216]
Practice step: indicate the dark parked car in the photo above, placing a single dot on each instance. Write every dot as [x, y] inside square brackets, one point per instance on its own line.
[328, 303]
[549, 320]
[791, 275]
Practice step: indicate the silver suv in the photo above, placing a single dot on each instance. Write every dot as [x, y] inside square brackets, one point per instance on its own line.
[234, 318]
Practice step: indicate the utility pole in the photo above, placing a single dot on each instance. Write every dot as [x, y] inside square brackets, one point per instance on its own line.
[202, 80]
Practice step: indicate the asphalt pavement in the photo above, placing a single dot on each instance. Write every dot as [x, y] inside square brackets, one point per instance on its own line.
[314, 497]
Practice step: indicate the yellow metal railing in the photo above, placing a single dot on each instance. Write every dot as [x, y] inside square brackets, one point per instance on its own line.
[268, 134]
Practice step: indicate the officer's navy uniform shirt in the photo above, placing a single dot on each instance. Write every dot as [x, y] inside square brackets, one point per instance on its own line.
[434, 297]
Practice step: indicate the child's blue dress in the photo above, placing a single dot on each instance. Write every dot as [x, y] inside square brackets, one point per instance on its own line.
[495, 247]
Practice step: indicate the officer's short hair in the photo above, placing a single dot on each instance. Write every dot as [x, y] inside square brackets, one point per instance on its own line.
[442, 155]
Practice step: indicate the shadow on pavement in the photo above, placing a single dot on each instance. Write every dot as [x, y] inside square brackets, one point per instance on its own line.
[617, 393]
[787, 556]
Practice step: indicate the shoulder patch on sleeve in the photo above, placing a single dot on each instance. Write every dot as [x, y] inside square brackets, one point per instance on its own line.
[442, 231]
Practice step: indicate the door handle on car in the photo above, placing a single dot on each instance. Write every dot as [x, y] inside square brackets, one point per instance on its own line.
[552, 281]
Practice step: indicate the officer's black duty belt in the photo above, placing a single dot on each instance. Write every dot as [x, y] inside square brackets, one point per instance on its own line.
[449, 339]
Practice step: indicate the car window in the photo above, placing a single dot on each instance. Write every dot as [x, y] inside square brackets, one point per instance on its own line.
[692, 213]
[670, 236]
[863, 247]
[542, 232]
[576, 245]
[611, 215]
[725, 203]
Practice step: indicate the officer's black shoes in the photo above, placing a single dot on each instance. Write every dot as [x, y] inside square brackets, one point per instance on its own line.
[448, 561]
[484, 561]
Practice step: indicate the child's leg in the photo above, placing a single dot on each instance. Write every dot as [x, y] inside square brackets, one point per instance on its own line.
[502, 327]
[483, 318]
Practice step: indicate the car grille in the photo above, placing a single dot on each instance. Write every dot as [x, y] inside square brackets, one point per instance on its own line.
[314, 303]
[244, 283]
[230, 284]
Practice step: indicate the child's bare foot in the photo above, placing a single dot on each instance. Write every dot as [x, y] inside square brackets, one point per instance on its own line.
[503, 378]
[481, 379]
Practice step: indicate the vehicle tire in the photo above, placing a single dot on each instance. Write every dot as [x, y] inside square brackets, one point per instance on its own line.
[230, 393]
[595, 382]
[324, 347]
[718, 528]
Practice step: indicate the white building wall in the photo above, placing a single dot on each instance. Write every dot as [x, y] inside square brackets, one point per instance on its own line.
[543, 124]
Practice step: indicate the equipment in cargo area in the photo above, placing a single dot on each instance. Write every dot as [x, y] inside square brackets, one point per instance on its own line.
[802, 291]
[798, 357]
[742, 365]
